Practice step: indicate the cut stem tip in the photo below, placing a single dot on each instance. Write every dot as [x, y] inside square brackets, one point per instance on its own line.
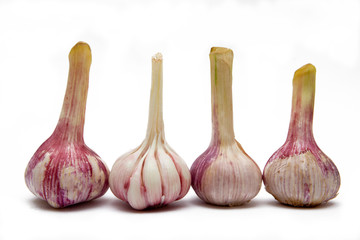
[220, 50]
[306, 69]
[81, 51]
[157, 57]
[221, 54]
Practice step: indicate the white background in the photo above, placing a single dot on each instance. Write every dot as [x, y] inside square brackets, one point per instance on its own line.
[270, 40]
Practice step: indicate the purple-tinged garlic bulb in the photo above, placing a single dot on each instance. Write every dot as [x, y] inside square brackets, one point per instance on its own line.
[224, 174]
[152, 175]
[299, 173]
[64, 171]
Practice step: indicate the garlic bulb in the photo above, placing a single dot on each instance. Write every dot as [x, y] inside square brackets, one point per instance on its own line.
[224, 174]
[153, 174]
[299, 173]
[64, 171]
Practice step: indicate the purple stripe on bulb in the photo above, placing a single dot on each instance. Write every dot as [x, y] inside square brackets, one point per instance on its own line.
[293, 148]
[201, 164]
[198, 168]
[306, 194]
[65, 155]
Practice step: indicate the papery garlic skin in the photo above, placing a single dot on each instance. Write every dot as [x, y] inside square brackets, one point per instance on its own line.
[64, 174]
[299, 173]
[151, 175]
[64, 171]
[224, 174]
[299, 180]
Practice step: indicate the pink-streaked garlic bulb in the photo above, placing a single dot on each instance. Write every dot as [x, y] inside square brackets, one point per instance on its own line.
[64, 171]
[224, 174]
[299, 173]
[153, 174]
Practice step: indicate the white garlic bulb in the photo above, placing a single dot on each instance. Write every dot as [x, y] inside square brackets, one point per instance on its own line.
[153, 174]
[299, 173]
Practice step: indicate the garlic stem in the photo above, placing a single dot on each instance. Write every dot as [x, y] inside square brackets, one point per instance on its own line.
[221, 95]
[156, 124]
[301, 122]
[70, 126]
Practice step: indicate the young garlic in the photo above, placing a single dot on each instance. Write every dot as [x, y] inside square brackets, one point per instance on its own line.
[64, 171]
[153, 174]
[299, 173]
[224, 174]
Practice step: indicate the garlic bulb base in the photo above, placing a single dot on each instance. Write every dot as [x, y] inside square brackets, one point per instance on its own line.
[300, 204]
[230, 203]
